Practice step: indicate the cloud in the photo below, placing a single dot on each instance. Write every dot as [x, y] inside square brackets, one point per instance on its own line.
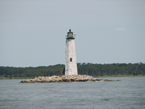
[120, 29]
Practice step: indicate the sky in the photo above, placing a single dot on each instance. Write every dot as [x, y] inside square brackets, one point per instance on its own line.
[32, 32]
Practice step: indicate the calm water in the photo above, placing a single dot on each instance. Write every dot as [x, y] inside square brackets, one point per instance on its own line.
[129, 93]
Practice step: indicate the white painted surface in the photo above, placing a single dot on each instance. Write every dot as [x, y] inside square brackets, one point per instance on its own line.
[70, 67]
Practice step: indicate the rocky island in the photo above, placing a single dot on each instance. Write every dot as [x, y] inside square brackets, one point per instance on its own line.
[69, 78]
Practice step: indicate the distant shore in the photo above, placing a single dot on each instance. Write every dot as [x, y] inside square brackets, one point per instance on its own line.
[119, 76]
[99, 70]
[1, 78]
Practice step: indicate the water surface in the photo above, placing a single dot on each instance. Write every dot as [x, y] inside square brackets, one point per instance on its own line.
[129, 93]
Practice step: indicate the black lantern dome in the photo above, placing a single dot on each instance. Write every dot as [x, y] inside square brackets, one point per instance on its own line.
[70, 35]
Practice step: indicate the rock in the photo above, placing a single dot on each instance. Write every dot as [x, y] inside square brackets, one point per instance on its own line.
[118, 80]
[72, 79]
[81, 80]
[68, 78]
[107, 80]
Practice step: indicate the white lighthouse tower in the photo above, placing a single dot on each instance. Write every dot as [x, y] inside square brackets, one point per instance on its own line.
[70, 55]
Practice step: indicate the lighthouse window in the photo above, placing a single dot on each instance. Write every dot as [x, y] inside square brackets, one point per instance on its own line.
[70, 35]
[70, 59]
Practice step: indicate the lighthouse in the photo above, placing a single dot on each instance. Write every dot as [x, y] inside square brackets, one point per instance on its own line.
[70, 55]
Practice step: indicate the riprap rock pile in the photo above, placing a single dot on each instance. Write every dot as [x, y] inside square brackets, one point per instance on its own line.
[69, 78]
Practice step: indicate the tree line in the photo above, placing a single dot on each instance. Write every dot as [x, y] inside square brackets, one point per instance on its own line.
[83, 69]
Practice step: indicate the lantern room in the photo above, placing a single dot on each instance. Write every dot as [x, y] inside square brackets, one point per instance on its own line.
[70, 35]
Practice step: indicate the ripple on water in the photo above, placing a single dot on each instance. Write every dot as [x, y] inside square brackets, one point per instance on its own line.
[127, 93]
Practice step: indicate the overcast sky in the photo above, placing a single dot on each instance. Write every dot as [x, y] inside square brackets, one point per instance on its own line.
[32, 33]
